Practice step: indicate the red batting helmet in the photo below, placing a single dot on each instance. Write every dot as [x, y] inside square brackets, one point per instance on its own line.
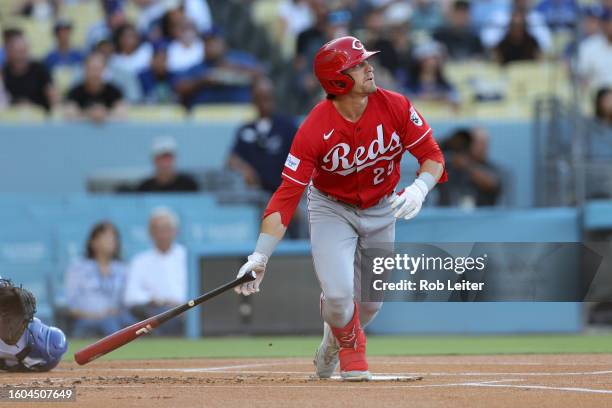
[335, 57]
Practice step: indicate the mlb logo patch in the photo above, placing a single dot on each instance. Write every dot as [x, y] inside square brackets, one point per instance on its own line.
[414, 117]
[292, 162]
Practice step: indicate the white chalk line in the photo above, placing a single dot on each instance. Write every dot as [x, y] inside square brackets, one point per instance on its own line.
[195, 369]
[324, 384]
[425, 362]
[222, 370]
[546, 387]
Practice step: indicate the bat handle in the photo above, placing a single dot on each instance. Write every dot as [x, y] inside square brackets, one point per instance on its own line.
[247, 277]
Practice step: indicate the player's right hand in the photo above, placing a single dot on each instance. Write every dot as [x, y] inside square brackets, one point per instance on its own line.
[256, 262]
[408, 202]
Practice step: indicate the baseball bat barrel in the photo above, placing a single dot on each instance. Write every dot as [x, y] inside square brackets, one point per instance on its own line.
[122, 337]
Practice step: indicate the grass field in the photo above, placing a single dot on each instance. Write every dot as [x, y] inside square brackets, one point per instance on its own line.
[257, 347]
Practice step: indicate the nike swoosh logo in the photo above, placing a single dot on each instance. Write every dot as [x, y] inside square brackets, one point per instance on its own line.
[328, 135]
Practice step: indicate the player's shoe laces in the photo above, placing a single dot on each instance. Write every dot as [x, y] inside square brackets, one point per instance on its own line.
[352, 341]
[326, 357]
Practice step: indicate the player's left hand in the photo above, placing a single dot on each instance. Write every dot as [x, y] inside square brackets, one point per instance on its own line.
[409, 201]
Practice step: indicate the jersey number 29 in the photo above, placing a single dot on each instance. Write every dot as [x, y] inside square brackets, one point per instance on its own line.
[379, 173]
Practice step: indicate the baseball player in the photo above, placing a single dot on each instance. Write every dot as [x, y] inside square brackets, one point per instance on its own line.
[347, 153]
[26, 344]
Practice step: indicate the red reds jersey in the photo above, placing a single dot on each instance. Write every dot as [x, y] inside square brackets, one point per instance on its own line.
[357, 163]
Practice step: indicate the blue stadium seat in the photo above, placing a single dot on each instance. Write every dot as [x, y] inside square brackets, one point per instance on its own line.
[220, 224]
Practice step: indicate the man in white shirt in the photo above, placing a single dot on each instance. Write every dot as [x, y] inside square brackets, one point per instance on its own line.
[595, 56]
[157, 278]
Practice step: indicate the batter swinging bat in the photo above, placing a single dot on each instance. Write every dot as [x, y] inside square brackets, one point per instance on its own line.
[124, 336]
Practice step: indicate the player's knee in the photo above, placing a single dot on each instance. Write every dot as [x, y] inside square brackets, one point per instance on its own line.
[337, 312]
[367, 311]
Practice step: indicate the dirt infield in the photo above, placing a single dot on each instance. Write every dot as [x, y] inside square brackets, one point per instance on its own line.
[458, 381]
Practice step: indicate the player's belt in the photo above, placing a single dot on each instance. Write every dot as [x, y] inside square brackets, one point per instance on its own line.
[336, 199]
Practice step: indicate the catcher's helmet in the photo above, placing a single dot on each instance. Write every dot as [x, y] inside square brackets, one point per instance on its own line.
[335, 57]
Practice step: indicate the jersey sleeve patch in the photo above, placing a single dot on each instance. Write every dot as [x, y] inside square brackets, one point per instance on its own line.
[292, 162]
[415, 118]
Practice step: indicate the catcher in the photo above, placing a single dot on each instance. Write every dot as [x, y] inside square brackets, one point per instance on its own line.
[26, 344]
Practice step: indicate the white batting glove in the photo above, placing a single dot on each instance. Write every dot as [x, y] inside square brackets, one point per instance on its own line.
[409, 201]
[256, 262]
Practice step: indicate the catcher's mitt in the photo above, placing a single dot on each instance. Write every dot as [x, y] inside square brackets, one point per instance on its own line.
[17, 309]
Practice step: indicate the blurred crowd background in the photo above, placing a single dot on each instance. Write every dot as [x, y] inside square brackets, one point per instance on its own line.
[91, 59]
[107, 106]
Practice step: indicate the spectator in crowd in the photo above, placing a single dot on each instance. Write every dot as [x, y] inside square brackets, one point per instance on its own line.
[95, 285]
[482, 10]
[559, 14]
[130, 57]
[261, 147]
[426, 16]
[64, 55]
[497, 25]
[4, 98]
[329, 25]
[198, 12]
[590, 21]
[156, 81]
[224, 76]
[381, 27]
[399, 34]
[186, 48]
[457, 35]
[427, 80]
[94, 98]
[588, 26]
[295, 16]
[26, 81]
[39, 9]
[105, 48]
[517, 44]
[152, 12]
[114, 17]
[603, 106]
[166, 178]
[595, 56]
[475, 181]
[311, 39]
[157, 278]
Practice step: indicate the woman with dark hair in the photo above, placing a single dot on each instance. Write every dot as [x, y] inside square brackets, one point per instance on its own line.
[95, 285]
[518, 44]
[603, 106]
[131, 56]
[426, 80]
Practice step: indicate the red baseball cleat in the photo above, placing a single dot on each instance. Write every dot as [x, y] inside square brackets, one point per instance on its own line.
[352, 341]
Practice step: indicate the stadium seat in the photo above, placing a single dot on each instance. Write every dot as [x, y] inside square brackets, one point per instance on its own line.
[64, 78]
[23, 114]
[83, 15]
[159, 113]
